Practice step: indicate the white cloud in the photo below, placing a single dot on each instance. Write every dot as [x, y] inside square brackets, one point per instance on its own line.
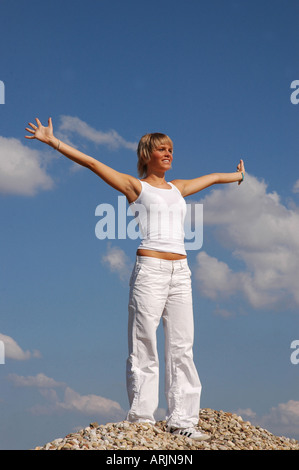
[22, 170]
[214, 277]
[88, 404]
[118, 262]
[14, 351]
[282, 420]
[39, 380]
[111, 139]
[296, 187]
[262, 234]
[246, 414]
[286, 415]
[71, 400]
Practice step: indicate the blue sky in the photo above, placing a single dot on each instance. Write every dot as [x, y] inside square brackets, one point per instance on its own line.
[216, 76]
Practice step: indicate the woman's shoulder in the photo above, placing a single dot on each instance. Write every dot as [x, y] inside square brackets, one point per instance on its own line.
[179, 184]
[135, 188]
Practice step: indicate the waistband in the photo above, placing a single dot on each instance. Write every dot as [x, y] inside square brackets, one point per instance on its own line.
[151, 261]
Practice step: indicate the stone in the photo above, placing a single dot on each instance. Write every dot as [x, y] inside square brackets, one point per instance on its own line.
[228, 432]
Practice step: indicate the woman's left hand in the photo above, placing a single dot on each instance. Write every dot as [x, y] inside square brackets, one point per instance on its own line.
[241, 169]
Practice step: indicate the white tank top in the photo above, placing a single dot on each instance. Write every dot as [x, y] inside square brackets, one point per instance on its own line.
[160, 214]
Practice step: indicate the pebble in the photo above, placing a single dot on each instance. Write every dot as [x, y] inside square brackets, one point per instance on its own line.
[228, 432]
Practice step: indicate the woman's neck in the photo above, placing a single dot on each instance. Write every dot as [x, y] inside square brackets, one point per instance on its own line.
[157, 179]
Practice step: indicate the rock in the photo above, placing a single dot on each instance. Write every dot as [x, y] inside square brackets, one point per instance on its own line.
[94, 425]
[228, 432]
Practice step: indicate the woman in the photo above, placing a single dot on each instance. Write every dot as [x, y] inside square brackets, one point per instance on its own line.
[160, 284]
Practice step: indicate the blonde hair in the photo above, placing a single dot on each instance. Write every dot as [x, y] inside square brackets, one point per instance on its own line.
[147, 144]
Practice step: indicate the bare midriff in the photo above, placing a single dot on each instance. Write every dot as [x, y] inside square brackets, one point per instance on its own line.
[160, 254]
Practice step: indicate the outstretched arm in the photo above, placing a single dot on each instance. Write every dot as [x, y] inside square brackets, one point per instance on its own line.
[124, 183]
[188, 187]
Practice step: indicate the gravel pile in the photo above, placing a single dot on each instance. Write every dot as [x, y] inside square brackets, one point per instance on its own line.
[228, 432]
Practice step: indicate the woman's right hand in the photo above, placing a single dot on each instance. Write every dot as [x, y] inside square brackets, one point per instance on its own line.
[42, 133]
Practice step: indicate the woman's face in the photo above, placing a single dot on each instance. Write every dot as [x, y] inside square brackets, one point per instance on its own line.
[161, 158]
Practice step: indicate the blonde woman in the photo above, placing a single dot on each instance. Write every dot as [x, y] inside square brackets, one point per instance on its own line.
[160, 284]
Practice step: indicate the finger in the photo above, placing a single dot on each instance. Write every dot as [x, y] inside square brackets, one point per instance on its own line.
[50, 123]
[30, 130]
[32, 125]
[240, 166]
[38, 122]
[29, 137]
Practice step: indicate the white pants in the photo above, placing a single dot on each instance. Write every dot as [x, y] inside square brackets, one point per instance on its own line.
[162, 288]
